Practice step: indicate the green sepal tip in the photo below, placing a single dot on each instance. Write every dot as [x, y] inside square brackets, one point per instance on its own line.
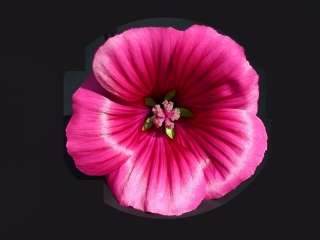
[170, 133]
[171, 94]
[185, 112]
[148, 101]
[147, 124]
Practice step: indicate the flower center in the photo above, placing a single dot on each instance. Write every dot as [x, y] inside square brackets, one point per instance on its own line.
[164, 114]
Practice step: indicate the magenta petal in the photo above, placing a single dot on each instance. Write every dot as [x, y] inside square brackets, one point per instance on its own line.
[211, 71]
[234, 142]
[135, 63]
[161, 178]
[100, 132]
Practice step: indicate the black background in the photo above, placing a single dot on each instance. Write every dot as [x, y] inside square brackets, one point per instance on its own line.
[40, 197]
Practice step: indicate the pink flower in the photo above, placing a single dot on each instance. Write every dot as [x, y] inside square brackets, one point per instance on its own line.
[169, 117]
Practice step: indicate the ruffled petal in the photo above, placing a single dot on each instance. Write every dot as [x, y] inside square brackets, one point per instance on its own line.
[136, 63]
[233, 141]
[161, 177]
[102, 134]
[211, 71]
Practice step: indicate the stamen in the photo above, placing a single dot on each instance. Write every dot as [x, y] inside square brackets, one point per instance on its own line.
[167, 115]
[167, 105]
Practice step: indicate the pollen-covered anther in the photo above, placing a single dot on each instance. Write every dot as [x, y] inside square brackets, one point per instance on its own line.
[167, 114]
